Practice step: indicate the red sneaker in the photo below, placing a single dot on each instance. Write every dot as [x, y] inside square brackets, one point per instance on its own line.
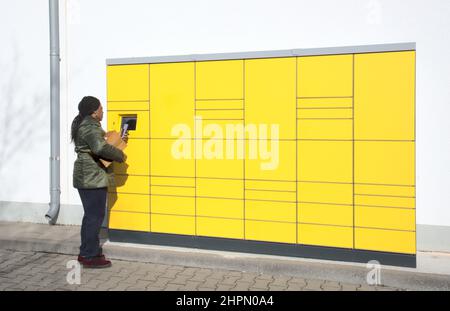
[96, 262]
[81, 258]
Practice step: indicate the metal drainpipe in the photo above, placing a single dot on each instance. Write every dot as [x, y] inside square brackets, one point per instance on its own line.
[52, 214]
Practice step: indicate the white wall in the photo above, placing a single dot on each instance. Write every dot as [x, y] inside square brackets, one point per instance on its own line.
[94, 30]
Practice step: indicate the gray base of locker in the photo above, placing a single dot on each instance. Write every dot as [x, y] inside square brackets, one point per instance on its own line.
[261, 247]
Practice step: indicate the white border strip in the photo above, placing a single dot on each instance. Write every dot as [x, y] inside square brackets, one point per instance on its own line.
[392, 47]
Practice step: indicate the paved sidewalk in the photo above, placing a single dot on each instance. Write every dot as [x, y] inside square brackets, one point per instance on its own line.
[35, 256]
[32, 271]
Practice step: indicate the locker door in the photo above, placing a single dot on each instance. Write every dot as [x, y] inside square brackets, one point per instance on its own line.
[270, 94]
[137, 162]
[172, 102]
[384, 162]
[385, 152]
[171, 157]
[384, 95]
[219, 79]
[219, 163]
[325, 161]
[325, 76]
[128, 82]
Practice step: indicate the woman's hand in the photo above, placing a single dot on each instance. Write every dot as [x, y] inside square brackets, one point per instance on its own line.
[125, 137]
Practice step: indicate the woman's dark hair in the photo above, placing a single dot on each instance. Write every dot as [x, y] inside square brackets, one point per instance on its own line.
[86, 107]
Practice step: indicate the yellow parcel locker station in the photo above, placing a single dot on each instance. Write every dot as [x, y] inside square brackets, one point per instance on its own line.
[303, 152]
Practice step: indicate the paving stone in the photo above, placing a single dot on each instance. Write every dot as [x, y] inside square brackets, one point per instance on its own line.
[349, 287]
[265, 277]
[191, 285]
[173, 287]
[42, 271]
[161, 282]
[230, 280]
[206, 289]
[154, 288]
[248, 277]
[294, 287]
[277, 288]
[263, 284]
[297, 280]
[242, 286]
[313, 285]
[172, 273]
[224, 287]
[180, 279]
[366, 288]
[281, 281]
[188, 272]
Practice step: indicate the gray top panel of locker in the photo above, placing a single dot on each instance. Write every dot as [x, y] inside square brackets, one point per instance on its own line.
[391, 47]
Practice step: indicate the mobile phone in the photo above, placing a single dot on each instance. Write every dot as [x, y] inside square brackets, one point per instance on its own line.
[124, 130]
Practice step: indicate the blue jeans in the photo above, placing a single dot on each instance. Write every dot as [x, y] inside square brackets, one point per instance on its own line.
[94, 204]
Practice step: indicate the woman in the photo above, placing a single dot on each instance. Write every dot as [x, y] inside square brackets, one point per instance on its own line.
[91, 178]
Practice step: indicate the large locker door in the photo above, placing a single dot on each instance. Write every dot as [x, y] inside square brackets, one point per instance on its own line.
[384, 152]
[172, 163]
[325, 150]
[270, 189]
[219, 155]
[128, 96]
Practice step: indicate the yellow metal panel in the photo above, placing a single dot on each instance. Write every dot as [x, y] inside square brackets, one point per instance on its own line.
[270, 231]
[325, 214]
[142, 126]
[384, 95]
[325, 235]
[385, 240]
[129, 221]
[329, 113]
[173, 224]
[324, 129]
[219, 227]
[288, 196]
[131, 184]
[226, 130]
[384, 162]
[270, 185]
[220, 188]
[172, 157]
[137, 162]
[219, 79]
[325, 161]
[325, 76]
[172, 98]
[384, 201]
[134, 105]
[277, 164]
[214, 207]
[274, 211]
[325, 192]
[270, 93]
[173, 190]
[172, 205]
[232, 167]
[220, 114]
[172, 181]
[129, 202]
[127, 82]
[219, 104]
[385, 218]
[327, 102]
[407, 191]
